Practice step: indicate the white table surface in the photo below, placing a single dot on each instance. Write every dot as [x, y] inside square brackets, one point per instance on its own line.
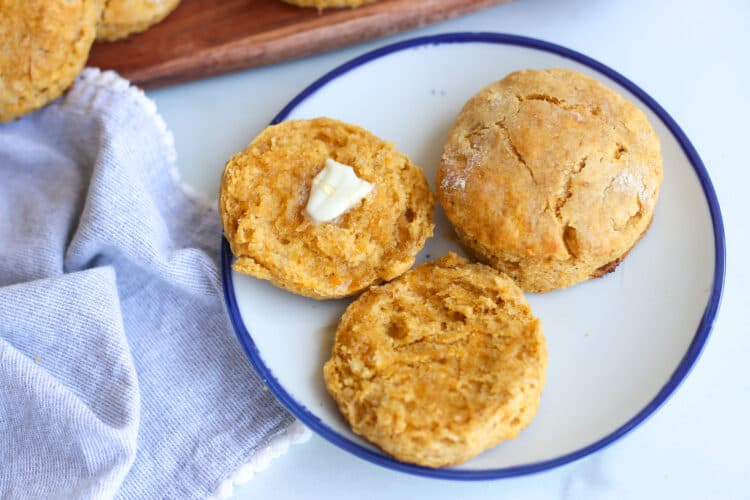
[693, 58]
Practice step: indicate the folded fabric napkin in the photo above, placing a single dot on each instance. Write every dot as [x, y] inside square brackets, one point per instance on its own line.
[119, 373]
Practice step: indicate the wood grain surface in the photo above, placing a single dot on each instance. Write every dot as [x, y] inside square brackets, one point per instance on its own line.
[208, 37]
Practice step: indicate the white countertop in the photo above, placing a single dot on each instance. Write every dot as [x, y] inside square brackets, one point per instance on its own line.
[690, 56]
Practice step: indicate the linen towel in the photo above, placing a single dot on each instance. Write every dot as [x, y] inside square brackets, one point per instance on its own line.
[119, 372]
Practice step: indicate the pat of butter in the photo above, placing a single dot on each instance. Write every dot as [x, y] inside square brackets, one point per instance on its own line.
[335, 191]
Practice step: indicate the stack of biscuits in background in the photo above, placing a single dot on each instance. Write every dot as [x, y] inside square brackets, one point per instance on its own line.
[548, 178]
[44, 44]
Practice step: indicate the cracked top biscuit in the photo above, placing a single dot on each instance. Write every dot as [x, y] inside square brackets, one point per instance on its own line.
[440, 364]
[43, 46]
[124, 17]
[550, 177]
[265, 190]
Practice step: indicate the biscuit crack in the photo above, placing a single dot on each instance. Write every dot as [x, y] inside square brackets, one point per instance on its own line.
[434, 341]
[541, 97]
[570, 240]
[560, 201]
[561, 103]
[569, 234]
[516, 153]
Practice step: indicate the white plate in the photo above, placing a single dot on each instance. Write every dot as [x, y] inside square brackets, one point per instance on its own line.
[618, 345]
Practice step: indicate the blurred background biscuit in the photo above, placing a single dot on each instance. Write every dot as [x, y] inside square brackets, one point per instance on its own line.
[125, 17]
[44, 44]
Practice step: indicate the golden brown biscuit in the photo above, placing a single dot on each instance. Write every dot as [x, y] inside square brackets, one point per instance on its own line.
[329, 4]
[43, 46]
[550, 177]
[265, 190]
[440, 364]
[125, 17]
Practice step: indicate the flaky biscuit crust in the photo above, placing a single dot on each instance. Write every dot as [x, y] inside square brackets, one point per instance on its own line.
[550, 177]
[439, 364]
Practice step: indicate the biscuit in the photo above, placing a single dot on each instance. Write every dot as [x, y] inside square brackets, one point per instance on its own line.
[440, 364]
[550, 177]
[43, 46]
[264, 192]
[329, 4]
[125, 17]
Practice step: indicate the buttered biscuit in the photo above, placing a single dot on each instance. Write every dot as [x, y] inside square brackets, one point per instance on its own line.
[550, 177]
[439, 364]
[276, 202]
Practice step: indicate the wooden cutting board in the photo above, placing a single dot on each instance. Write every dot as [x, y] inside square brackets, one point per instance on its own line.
[209, 37]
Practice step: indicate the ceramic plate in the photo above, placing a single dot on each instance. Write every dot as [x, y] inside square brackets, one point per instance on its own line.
[618, 345]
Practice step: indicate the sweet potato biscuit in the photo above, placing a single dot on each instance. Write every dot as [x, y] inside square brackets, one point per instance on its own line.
[43, 46]
[265, 189]
[124, 17]
[439, 364]
[550, 177]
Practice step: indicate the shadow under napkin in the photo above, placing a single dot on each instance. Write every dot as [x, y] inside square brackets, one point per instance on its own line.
[120, 374]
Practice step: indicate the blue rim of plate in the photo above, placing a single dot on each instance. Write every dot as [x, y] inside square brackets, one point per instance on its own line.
[687, 362]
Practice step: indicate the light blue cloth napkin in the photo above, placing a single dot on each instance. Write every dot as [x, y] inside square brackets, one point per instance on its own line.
[119, 374]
